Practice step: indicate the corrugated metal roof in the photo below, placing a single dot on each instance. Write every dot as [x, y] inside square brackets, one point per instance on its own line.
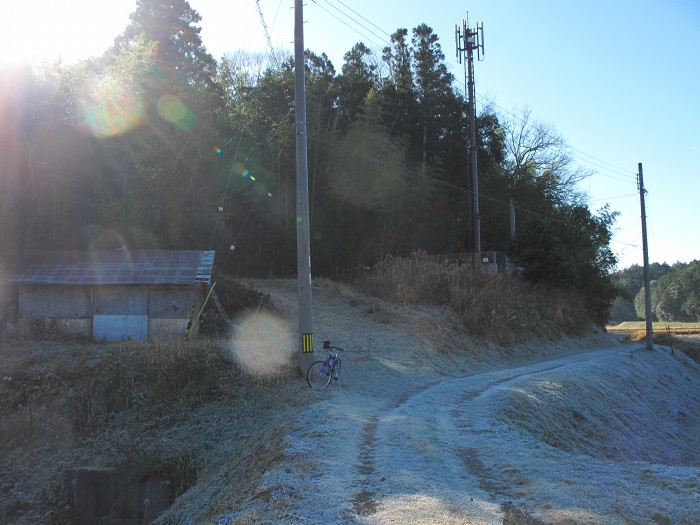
[117, 267]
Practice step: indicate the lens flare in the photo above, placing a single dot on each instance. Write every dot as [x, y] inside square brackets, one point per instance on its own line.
[109, 107]
[172, 109]
[265, 345]
[246, 174]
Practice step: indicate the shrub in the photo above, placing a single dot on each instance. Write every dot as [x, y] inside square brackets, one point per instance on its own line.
[493, 307]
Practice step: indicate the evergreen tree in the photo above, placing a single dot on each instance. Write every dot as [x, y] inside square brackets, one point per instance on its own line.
[358, 78]
[162, 54]
[172, 26]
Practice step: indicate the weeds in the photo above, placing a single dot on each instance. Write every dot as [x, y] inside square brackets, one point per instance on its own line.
[167, 411]
[497, 308]
[689, 346]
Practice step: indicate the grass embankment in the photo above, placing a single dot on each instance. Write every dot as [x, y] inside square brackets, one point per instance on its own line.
[495, 308]
[172, 412]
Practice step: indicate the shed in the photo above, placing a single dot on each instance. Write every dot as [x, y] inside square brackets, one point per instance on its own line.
[112, 295]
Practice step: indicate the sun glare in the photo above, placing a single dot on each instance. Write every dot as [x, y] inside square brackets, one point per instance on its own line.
[66, 30]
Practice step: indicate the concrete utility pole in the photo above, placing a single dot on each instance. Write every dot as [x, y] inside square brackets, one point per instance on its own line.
[511, 206]
[306, 330]
[468, 40]
[645, 252]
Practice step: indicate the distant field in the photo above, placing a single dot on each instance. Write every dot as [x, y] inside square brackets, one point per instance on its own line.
[684, 336]
[676, 328]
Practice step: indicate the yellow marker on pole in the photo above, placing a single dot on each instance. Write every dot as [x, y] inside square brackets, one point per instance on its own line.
[307, 342]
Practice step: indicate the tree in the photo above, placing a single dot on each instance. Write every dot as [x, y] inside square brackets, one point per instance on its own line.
[172, 26]
[640, 301]
[628, 282]
[678, 294]
[373, 197]
[570, 249]
[539, 158]
[494, 183]
[358, 78]
[43, 154]
[161, 54]
[398, 95]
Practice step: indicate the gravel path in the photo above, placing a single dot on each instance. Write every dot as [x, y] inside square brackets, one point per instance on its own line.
[428, 427]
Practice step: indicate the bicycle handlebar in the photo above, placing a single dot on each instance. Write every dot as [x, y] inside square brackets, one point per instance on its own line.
[327, 346]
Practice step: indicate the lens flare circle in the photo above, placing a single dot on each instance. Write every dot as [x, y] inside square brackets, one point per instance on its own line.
[110, 107]
[171, 109]
[265, 345]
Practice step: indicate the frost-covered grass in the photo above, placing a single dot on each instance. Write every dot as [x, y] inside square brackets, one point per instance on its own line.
[180, 412]
[611, 440]
[428, 425]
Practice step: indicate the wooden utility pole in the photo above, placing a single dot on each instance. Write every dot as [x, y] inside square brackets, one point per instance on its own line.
[645, 251]
[306, 330]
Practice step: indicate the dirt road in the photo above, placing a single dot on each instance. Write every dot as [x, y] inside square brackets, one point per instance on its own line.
[428, 427]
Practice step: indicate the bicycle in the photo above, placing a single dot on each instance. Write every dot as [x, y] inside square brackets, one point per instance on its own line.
[321, 373]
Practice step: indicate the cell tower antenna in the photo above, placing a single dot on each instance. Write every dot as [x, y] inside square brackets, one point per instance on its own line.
[467, 41]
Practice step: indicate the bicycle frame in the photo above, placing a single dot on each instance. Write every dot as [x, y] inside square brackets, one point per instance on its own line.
[331, 360]
[321, 373]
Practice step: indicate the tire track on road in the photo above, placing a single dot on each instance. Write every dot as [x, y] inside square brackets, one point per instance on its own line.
[372, 478]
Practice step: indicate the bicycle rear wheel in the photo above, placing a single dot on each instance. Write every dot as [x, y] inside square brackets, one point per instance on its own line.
[318, 375]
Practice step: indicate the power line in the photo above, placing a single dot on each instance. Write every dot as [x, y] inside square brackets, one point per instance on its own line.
[599, 163]
[436, 181]
[617, 197]
[612, 169]
[363, 18]
[351, 27]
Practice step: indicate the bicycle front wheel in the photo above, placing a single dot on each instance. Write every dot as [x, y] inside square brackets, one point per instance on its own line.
[318, 375]
[336, 370]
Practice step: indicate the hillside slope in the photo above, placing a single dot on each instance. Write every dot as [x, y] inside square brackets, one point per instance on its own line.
[427, 426]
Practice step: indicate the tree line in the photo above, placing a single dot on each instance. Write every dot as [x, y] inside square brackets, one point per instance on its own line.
[675, 293]
[155, 144]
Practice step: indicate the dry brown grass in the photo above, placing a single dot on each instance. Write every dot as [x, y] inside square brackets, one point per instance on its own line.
[497, 308]
[172, 410]
[681, 338]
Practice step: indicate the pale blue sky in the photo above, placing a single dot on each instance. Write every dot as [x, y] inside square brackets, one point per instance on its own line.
[620, 80]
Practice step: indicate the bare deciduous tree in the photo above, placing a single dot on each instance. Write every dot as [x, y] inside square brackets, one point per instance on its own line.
[538, 153]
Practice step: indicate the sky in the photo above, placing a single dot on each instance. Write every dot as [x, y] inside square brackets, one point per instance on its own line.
[618, 79]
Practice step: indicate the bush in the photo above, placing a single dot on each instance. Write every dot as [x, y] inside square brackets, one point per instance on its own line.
[497, 308]
[132, 375]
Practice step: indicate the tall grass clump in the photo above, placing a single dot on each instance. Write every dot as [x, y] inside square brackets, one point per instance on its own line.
[137, 375]
[418, 279]
[493, 307]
